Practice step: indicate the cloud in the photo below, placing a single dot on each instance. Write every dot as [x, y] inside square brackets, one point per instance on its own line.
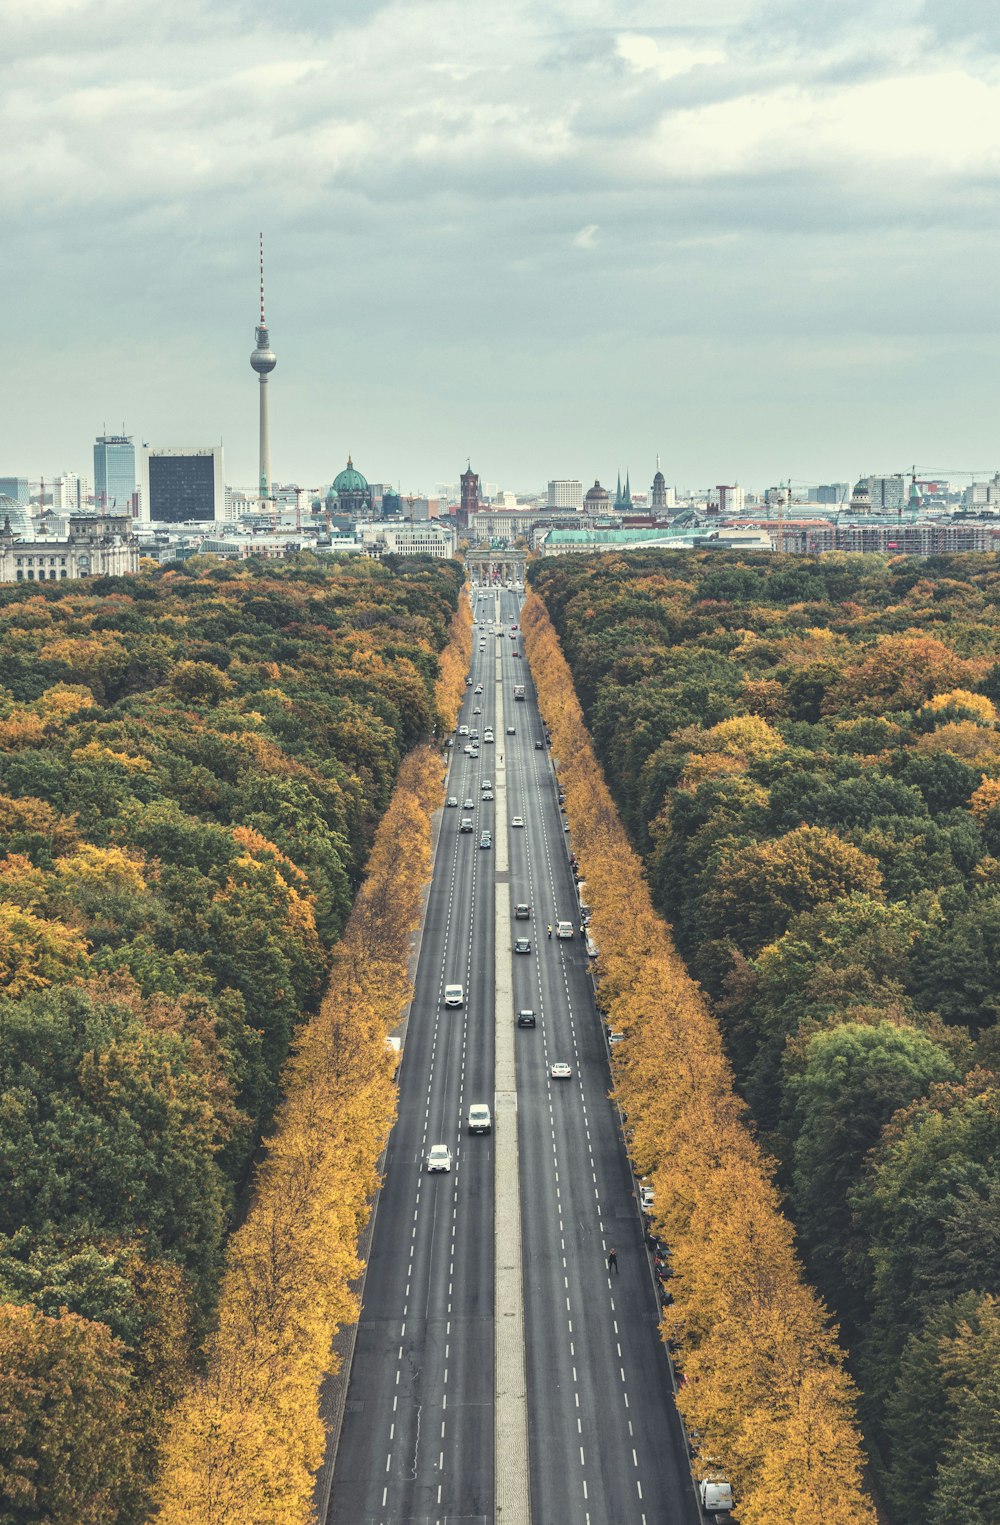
[743, 173]
[644, 53]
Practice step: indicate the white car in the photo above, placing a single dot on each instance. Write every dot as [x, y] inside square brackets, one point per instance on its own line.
[561, 1072]
[469, 749]
[439, 1157]
[517, 820]
[511, 731]
[463, 730]
[564, 929]
[454, 995]
[647, 1198]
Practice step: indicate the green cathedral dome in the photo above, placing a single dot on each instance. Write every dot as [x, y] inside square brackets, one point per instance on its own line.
[349, 480]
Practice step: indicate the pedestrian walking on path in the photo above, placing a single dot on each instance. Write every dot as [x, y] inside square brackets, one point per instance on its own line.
[613, 1261]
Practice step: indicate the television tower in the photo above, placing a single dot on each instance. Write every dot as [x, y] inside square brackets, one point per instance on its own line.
[263, 361]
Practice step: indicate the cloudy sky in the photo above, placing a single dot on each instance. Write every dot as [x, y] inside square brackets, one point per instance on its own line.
[558, 237]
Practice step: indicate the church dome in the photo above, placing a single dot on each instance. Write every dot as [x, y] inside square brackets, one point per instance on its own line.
[349, 480]
[659, 480]
[597, 494]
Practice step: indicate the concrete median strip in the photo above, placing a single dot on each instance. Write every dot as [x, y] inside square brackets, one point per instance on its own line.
[512, 1485]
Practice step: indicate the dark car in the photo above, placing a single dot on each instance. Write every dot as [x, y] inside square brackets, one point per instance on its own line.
[526, 1019]
[522, 912]
[522, 945]
[539, 746]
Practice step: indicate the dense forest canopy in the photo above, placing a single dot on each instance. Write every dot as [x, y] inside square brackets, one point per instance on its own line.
[807, 752]
[192, 768]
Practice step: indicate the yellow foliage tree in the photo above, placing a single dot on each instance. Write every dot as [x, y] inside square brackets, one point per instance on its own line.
[764, 1378]
[985, 799]
[35, 953]
[454, 664]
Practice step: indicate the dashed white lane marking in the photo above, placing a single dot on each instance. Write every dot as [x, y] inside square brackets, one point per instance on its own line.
[460, 937]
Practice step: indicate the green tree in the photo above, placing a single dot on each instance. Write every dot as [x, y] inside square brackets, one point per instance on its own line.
[850, 1081]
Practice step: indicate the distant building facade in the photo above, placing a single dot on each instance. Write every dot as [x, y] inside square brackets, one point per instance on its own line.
[565, 492]
[887, 495]
[181, 486]
[96, 546]
[114, 474]
[15, 488]
[830, 492]
[982, 495]
[427, 538]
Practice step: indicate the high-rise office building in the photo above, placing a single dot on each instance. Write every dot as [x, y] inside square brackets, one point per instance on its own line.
[565, 493]
[830, 492]
[887, 494]
[182, 485]
[16, 488]
[114, 473]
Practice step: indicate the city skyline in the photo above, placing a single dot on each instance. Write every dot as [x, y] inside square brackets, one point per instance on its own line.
[755, 241]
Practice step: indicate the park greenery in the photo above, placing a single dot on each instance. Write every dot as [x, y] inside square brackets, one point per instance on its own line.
[193, 768]
[806, 753]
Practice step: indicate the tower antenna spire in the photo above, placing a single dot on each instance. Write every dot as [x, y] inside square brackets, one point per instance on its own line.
[262, 318]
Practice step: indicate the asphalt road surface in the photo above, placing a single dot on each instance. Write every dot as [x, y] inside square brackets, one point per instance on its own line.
[417, 1442]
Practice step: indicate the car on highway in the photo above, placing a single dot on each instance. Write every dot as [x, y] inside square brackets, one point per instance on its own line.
[478, 710]
[479, 688]
[468, 804]
[511, 730]
[454, 995]
[539, 746]
[522, 945]
[522, 911]
[487, 783]
[439, 1157]
[466, 823]
[561, 1072]
[468, 749]
[526, 1018]
[480, 1120]
[564, 929]
[488, 738]
[517, 653]
[473, 733]
[463, 730]
[468, 682]
[487, 795]
[451, 802]
[486, 840]
[517, 820]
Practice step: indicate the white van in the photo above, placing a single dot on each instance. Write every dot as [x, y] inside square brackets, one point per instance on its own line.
[454, 995]
[480, 1120]
[564, 929]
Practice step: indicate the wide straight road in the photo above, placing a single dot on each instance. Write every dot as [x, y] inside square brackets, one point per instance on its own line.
[417, 1444]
